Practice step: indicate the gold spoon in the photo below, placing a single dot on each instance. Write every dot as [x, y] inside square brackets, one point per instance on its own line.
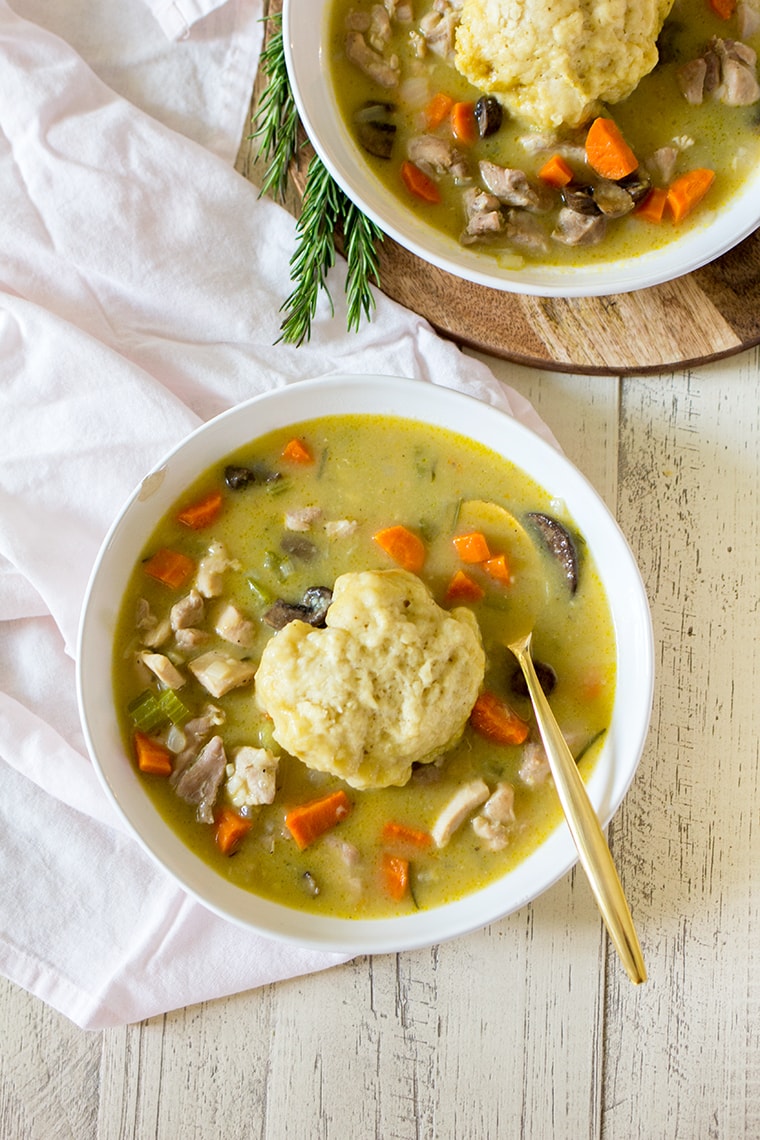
[593, 851]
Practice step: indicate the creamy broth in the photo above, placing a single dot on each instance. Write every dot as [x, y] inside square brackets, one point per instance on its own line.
[374, 472]
[724, 139]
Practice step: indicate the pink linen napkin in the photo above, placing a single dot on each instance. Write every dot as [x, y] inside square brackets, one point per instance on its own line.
[140, 282]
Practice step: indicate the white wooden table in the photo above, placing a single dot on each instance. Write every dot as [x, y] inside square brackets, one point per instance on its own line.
[528, 1028]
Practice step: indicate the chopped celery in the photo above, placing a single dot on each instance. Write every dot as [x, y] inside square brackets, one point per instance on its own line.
[172, 707]
[286, 568]
[149, 712]
[428, 530]
[275, 564]
[146, 712]
[424, 465]
[277, 486]
[259, 591]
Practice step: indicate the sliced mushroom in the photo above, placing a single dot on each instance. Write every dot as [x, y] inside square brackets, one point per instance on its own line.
[613, 200]
[547, 679]
[488, 115]
[376, 129]
[312, 609]
[559, 543]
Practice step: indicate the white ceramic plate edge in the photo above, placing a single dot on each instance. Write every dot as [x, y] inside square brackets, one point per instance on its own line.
[304, 400]
[304, 43]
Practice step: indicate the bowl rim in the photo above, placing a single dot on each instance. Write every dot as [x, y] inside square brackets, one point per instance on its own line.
[304, 24]
[375, 395]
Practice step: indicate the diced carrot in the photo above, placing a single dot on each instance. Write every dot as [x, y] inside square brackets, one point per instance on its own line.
[403, 546]
[308, 821]
[152, 757]
[463, 123]
[463, 588]
[296, 451]
[394, 832]
[437, 110]
[556, 172]
[607, 151]
[229, 830]
[202, 512]
[652, 208]
[723, 8]
[591, 686]
[688, 191]
[472, 547]
[170, 567]
[499, 569]
[493, 718]
[395, 871]
[418, 183]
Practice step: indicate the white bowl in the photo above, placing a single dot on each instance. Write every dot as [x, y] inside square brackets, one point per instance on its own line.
[306, 49]
[418, 401]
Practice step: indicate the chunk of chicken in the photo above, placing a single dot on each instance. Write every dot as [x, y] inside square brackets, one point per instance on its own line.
[726, 70]
[187, 741]
[469, 797]
[199, 782]
[379, 31]
[302, 519]
[514, 188]
[483, 213]
[219, 673]
[381, 71]
[190, 638]
[251, 778]
[153, 632]
[162, 668]
[493, 824]
[434, 155]
[341, 528]
[579, 229]
[438, 27]
[534, 765]
[188, 611]
[210, 578]
[234, 627]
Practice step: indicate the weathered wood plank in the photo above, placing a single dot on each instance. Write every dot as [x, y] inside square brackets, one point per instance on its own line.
[687, 1045]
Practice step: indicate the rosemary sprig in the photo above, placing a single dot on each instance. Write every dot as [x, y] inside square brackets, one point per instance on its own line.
[325, 209]
[315, 252]
[360, 238]
[275, 122]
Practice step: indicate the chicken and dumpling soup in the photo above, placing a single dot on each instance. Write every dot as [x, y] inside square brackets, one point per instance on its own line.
[311, 674]
[559, 134]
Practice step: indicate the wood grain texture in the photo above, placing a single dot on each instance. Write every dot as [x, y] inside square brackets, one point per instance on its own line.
[709, 314]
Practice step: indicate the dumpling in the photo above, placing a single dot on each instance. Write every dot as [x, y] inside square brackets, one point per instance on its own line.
[552, 62]
[389, 682]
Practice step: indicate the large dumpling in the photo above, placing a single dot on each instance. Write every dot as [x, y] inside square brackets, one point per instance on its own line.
[388, 683]
[553, 62]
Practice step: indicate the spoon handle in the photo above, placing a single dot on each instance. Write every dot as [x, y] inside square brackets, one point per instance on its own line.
[594, 854]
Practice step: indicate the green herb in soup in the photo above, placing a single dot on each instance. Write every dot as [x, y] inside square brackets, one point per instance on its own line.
[311, 674]
[531, 164]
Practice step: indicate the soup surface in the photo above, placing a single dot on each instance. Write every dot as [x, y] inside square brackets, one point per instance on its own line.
[298, 509]
[461, 163]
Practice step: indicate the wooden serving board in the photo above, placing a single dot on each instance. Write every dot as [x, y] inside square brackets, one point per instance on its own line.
[703, 316]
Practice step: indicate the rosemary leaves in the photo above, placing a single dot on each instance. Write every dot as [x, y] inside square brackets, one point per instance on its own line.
[326, 209]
